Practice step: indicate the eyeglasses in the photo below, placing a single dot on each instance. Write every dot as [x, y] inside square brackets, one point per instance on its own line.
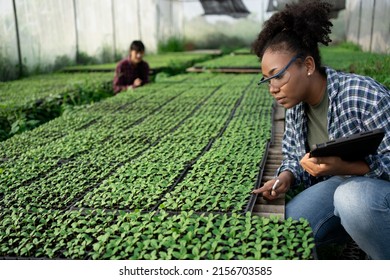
[282, 77]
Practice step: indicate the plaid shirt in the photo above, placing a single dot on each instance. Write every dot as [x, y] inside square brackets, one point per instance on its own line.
[356, 104]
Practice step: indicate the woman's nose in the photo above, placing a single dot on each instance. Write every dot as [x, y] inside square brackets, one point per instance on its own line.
[273, 90]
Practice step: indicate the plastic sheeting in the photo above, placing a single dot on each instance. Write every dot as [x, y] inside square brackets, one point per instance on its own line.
[42, 38]
[51, 30]
[367, 24]
[8, 42]
[277, 5]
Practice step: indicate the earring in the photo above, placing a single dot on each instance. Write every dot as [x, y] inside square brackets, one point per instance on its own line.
[309, 74]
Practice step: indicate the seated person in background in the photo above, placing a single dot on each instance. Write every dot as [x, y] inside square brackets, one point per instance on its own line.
[132, 71]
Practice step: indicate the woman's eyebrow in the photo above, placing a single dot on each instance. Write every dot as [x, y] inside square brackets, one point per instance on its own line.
[271, 72]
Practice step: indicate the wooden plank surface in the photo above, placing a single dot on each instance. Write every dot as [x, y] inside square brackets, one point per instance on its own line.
[276, 207]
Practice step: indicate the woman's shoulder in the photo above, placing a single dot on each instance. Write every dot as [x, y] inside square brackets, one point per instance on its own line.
[123, 63]
[144, 64]
[350, 83]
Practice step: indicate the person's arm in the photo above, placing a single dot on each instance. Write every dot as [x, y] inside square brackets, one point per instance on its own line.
[291, 146]
[118, 83]
[379, 117]
[289, 172]
[143, 76]
[145, 73]
[374, 166]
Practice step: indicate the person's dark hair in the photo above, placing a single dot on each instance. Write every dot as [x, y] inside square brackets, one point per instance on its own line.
[298, 28]
[137, 46]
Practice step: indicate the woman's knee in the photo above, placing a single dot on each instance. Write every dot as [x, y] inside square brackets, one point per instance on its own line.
[359, 197]
[348, 198]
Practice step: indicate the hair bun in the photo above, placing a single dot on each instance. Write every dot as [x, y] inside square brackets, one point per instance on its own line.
[310, 20]
[307, 23]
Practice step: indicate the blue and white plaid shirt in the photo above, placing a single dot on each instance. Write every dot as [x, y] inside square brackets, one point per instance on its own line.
[356, 104]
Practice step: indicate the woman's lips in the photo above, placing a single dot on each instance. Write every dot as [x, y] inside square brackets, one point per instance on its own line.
[280, 100]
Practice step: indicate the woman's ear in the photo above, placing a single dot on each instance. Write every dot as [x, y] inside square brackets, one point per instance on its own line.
[310, 65]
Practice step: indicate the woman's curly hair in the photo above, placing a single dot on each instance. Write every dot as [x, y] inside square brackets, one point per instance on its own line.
[298, 28]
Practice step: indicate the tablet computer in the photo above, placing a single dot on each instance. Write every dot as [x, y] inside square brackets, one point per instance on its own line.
[350, 148]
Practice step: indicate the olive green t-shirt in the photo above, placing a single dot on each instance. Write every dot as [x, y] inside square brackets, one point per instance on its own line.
[317, 123]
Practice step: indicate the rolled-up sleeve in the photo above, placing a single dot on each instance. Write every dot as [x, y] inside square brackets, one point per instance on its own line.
[292, 150]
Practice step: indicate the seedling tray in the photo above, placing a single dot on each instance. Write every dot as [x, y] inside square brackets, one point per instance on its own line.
[243, 70]
[253, 198]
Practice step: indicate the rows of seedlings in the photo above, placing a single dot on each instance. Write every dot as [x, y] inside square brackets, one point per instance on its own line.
[36, 233]
[153, 95]
[119, 183]
[30, 102]
[173, 62]
[36, 88]
[224, 177]
[23, 165]
[230, 61]
[122, 145]
[140, 183]
[62, 152]
[82, 118]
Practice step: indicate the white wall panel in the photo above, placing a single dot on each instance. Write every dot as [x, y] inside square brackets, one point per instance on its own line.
[126, 24]
[368, 24]
[47, 31]
[148, 16]
[95, 27]
[8, 43]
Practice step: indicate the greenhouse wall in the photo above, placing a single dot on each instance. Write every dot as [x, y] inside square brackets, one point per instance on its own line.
[170, 19]
[95, 27]
[53, 31]
[45, 30]
[8, 52]
[367, 24]
[208, 31]
[125, 27]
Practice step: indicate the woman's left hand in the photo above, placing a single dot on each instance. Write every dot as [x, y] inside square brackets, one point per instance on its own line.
[324, 166]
